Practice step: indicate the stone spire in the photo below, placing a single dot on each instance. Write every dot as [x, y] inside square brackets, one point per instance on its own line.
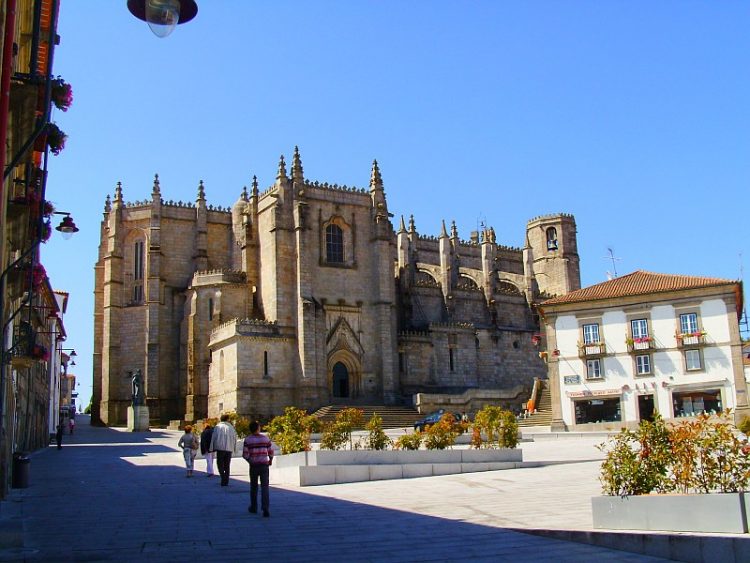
[107, 205]
[376, 180]
[297, 173]
[118, 193]
[401, 229]
[454, 230]
[201, 191]
[156, 190]
[255, 186]
[244, 195]
[443, 231]
[281, 174]
[412, 227]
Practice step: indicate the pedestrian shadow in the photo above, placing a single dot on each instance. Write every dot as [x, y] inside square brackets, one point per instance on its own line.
[137, 504]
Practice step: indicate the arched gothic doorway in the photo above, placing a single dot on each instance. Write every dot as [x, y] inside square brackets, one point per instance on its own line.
[340, 381]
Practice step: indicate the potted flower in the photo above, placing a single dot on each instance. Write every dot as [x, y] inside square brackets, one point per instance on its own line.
[62, 94]
[55, 138]
[39, 352]
[38, 275]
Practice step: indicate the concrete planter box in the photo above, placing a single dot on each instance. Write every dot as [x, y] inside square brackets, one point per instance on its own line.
[324, 467]
[726, 513]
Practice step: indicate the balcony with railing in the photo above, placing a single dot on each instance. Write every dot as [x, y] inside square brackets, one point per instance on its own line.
[640, 345]
[591, 349]
[688, 339]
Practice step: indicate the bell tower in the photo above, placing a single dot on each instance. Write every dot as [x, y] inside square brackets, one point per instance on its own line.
[551, 254]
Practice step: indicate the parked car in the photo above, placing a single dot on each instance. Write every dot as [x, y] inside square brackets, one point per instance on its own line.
[433, 418]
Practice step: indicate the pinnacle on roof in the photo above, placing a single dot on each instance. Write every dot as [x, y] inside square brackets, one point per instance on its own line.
[412, 228]
[107, 205]
[376, 180]
[297, 172]
[402, 228]
[201, 191]
[156, 189]
[243, 195]
[454, 230]
[281, 174]
[443, 231]
[118, 192]
[255, 186]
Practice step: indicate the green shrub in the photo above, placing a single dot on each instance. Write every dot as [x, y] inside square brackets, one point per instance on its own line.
[443, 434]
[702, 455]
[498, 425]
[376, 437]
[337, 433]
[744, 425]
[241, 424]
[411, 441]
[291, 431]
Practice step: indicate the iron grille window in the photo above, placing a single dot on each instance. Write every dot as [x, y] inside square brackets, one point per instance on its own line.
[334, 244]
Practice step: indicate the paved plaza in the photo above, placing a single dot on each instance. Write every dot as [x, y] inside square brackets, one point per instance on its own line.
[112, 495]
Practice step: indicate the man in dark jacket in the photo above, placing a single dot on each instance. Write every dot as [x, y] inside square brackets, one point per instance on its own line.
[206, 449]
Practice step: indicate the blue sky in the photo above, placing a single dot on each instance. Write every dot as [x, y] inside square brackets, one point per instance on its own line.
[633, 116]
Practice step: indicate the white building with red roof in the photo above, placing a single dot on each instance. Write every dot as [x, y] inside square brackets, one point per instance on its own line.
[623, 349]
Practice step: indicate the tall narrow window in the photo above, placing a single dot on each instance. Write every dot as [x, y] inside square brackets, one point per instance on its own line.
[593, 369]
[334, 244]
[639, 328]
[221, 366]
[693, 360]
[591, 334]
[450, 357]
[401, 362]
[643, 365]
[138, 272]
[265, 363]
[688, 323]
[210, 309]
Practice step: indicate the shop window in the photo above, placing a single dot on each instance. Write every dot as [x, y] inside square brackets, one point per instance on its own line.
[693, 360]
[691, 403]
[598, 410]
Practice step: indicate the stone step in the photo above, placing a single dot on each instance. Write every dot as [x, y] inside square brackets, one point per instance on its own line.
[393, 416]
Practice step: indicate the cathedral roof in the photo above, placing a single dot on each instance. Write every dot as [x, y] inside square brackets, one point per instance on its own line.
[640, 283]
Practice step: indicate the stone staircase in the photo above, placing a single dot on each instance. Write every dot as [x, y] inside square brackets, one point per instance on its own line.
[543, 414]
[393, 416]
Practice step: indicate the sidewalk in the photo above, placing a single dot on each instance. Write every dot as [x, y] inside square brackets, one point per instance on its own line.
[120, 496]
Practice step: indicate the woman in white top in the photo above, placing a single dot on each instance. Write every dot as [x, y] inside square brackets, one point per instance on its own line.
[189, 444]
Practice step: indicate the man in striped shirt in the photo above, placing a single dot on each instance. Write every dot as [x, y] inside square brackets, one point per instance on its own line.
[258, 452]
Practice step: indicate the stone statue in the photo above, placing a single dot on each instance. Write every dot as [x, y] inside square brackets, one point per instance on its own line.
[137, 394]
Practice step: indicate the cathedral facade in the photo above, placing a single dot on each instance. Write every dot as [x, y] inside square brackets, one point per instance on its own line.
[304, 294]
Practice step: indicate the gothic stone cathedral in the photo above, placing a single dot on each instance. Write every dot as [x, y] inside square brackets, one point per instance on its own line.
[305, 295]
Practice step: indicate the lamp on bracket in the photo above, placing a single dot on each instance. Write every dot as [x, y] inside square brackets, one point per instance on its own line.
[67, 226]
[162, 16]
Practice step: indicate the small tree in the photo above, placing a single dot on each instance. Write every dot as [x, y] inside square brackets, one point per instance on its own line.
[443, 434]
[410, 441]
[376, 438]
[291, 431]
[498, 425]
[337, 433]
[241, 424]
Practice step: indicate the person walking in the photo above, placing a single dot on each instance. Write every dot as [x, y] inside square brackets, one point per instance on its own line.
[206, 435]
[72, 425]
[58, 436]
[189, 444]
[223, 441]
[258, 452]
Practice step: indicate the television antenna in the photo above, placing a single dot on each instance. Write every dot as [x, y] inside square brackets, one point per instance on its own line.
[614, 260]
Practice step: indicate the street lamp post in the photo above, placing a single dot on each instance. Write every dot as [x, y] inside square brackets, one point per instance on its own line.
[162, 16]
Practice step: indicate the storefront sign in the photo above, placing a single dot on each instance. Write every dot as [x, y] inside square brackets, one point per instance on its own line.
[595, 393]
[572, 379]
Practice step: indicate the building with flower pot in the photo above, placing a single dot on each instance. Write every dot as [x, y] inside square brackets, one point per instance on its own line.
[621, 350]
[29, 363]
[305, 294]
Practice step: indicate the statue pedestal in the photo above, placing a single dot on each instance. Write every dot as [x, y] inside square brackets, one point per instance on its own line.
[138, 418]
